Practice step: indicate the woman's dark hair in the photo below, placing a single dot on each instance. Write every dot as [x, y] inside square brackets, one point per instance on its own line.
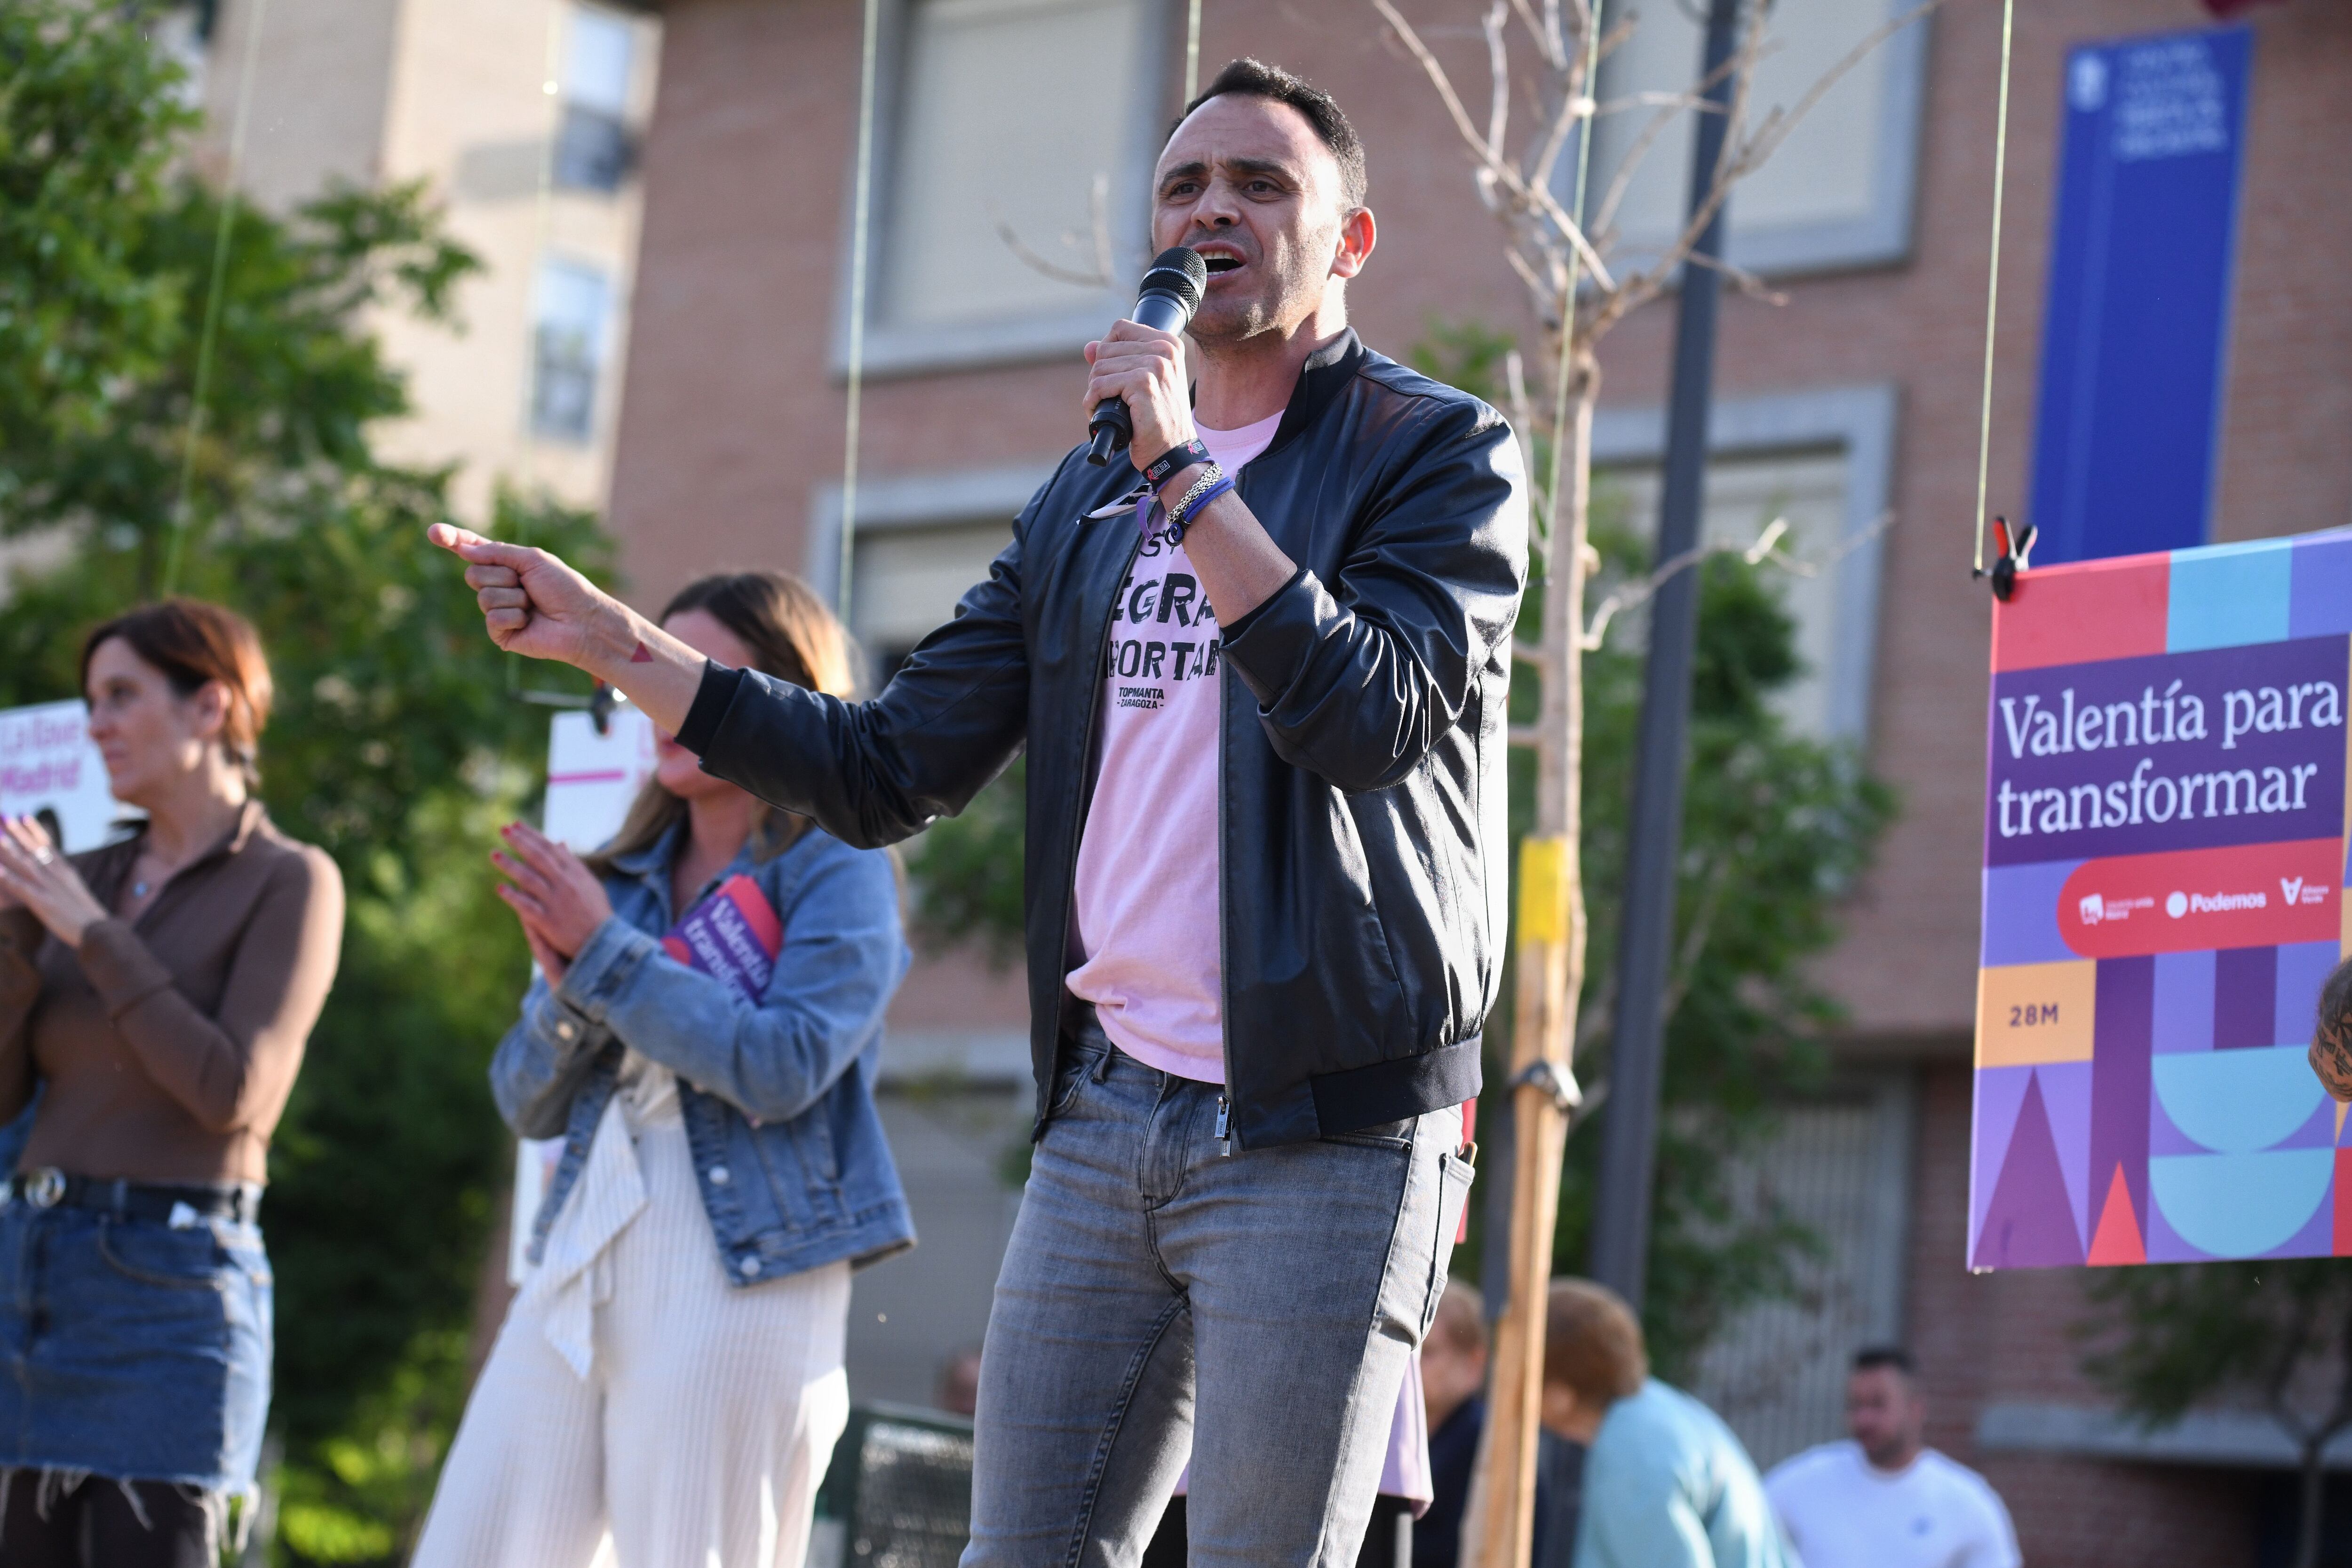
[1256, 78]
[794, 636]
[194, 644]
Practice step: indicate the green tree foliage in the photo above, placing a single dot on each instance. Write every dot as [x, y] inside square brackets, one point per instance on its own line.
[966, 870]
[396, 745]
[2166, 1340]
[1775, 827]
[88, 121]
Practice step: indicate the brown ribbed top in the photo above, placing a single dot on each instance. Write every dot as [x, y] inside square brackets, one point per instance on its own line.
[170, 1042]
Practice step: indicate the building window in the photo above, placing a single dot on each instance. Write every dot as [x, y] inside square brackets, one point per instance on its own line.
[593, 149]
[1822, 461]
[572, 323]
[1838, 192]
[922, 540]
[1005, 178]
[1744, 495]
[907, 581]
[1841, 1167]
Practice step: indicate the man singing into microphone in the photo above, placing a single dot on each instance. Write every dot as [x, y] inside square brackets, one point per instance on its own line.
[1259, 665]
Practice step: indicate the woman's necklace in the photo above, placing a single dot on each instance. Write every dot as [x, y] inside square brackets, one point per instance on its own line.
[140, 884]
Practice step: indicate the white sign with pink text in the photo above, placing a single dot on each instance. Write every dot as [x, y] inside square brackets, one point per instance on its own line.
[49, 765]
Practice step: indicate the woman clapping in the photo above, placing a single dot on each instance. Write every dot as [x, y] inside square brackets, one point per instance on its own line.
[160, 991]
[671, 1373]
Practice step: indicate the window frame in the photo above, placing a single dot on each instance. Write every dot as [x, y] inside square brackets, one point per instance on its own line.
[604, 341]
[909, 502]
[1860, 422]
[901, 350]
[1883, 236]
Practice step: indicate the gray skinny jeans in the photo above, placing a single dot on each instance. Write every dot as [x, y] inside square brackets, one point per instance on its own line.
[1161, 1300]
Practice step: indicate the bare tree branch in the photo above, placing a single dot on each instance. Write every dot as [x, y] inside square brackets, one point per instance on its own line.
[1641, 590]
[1105, 273]
[1739, 277]
[1776, 130]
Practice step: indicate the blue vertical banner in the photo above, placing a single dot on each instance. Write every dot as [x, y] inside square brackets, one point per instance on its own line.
[2134, 333]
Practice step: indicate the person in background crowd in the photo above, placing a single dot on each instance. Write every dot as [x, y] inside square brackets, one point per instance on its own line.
[1883, 1498]
[2331, 1035]
[1666, 1485]
[158, 991]
[960, 1382]
[671, 1371]
[1452, 1380]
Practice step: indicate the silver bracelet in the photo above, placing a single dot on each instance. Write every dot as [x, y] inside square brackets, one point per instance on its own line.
[1210, 473]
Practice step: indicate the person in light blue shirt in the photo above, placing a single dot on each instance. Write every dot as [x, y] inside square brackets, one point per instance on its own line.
[1667, 1484]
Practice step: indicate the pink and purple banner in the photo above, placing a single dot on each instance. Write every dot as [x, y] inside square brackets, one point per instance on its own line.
[2164, 860]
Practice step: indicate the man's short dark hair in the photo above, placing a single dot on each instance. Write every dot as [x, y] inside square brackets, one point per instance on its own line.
[1256, 78]
[1870, 1358]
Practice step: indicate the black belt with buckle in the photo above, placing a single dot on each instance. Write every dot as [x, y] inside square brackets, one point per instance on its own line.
[163, 1202]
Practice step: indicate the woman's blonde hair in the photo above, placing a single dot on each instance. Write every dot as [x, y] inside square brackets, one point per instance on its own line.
[792, 635]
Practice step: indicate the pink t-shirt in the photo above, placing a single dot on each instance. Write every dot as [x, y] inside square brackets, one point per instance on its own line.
[1147, 882]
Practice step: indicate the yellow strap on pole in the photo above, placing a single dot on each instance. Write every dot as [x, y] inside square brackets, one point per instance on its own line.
[213, 295]
[1992, 279]
[858, 231]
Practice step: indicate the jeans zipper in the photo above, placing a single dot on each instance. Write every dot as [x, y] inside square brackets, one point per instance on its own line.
[1224, 1143]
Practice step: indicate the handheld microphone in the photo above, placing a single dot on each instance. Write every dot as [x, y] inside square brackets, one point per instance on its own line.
[1169, 293]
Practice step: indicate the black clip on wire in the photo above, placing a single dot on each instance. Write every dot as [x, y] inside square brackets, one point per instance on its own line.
[2015, 552]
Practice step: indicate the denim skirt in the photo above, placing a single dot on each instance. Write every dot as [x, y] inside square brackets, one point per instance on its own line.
[135, 1349]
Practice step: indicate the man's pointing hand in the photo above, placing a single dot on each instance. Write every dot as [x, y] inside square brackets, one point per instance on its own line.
[531, 602]
[535, 605]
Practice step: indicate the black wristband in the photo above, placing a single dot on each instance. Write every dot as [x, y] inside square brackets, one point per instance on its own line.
[1168, 462]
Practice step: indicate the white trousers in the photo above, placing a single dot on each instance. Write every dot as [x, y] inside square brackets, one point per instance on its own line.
[700, 1434]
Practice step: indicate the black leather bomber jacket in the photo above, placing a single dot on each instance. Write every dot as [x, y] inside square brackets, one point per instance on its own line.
[1362, 805]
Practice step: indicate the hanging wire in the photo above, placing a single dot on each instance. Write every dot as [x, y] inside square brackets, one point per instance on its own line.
[213, 295]
[542, 210]
[858, 226]
[1192, 52]
[1589, 86]
[1993, 280]
[551, 86]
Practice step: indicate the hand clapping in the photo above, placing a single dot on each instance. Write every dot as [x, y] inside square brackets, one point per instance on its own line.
[36, 875]
[558, 900]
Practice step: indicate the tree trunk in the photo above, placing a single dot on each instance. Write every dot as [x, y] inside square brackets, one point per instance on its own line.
[1550, 977]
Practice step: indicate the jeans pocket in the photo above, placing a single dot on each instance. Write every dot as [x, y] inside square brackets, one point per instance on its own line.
[1077, 1066]
[185, 1258]
[1378, 1136]
[1454, 1176]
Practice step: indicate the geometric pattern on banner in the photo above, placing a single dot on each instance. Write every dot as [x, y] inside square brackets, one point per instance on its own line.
[2165, 855]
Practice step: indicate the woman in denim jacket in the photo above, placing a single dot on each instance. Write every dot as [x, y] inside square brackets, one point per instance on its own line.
[671, 1372]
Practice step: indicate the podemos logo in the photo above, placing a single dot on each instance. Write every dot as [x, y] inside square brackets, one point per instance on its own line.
[2178, 904]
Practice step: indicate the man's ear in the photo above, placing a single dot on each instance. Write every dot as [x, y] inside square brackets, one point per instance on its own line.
[1358, 233]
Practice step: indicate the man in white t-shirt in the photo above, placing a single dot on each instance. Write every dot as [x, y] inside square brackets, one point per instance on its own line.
[1883, 1498]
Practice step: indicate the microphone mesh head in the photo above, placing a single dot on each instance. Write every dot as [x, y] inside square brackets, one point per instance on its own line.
[1178, 270]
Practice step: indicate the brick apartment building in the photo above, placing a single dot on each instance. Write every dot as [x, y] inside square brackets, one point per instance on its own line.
[1854, 397]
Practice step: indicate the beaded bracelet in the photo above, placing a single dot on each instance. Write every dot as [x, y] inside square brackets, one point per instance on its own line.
[1176, 458]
